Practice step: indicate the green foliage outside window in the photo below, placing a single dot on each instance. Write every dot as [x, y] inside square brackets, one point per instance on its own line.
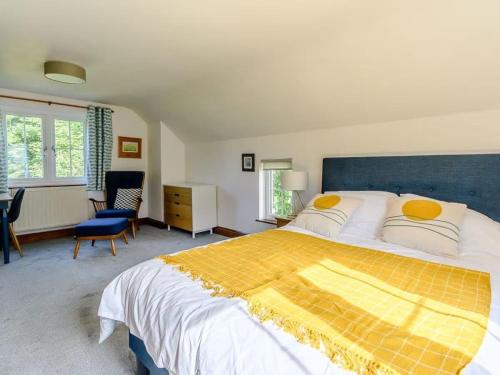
[69, 148]
[24, 146]
[282, 199]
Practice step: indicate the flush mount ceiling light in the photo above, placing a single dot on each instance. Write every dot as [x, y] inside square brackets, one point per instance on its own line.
[64, 72]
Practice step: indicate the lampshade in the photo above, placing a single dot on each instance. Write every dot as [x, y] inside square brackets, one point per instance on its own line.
[294, 180]
[64, 72]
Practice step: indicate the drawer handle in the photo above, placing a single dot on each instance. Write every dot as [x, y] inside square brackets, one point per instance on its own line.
[177, 203]
[176, 194]
[177, 215]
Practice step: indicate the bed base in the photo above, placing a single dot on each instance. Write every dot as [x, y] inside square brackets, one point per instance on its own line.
[145, 364]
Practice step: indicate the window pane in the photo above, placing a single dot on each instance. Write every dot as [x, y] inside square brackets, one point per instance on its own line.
[63, 163]
[77, 134]
[16, 149]
[69, 142]
[24, 146]
[62, 138]
[77, 162]
[281, 199]
[62, 134]
[34, 145]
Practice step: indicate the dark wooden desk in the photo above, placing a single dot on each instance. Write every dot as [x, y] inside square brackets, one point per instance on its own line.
[5, 198]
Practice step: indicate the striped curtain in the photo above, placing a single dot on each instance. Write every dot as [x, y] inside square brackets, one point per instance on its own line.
[100, 146]
[3, 156]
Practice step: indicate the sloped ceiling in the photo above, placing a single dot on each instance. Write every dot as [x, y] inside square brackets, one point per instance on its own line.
[221, 69]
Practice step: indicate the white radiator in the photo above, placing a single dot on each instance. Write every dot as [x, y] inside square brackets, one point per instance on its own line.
[48, 208]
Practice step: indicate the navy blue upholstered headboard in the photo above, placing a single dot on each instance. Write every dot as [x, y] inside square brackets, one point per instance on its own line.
[470, 179]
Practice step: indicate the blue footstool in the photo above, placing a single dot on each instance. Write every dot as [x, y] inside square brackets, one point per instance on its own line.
[101, 229]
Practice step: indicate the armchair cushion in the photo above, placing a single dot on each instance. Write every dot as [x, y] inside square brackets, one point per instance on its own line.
[128, 213]
[127, 198]
[121, 180]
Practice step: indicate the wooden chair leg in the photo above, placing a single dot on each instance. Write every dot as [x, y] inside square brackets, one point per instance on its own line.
[14, 239]
[124, 236]
[133, 229]
[77, 248]
[93, 242]
[113, 249]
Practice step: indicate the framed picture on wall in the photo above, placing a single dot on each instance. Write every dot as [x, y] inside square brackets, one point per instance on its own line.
[248, 162]
[129, 147]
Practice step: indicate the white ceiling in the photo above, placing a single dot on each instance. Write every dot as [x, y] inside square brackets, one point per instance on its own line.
[220, 69]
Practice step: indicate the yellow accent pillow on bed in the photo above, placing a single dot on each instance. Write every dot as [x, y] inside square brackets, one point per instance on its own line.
[326, 214]
[424, 224]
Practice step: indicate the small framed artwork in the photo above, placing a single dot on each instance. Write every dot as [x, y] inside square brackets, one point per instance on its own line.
[129, 147]
[248, 162]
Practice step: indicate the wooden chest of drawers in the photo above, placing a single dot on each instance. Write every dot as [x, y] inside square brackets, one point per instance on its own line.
[191, 207]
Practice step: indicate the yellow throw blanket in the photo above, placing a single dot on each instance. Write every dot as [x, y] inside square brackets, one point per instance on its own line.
[369, 311]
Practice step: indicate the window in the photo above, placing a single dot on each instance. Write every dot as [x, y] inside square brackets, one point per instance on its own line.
[24, 146]
[275, 200]
[45, 149]
[69, 148]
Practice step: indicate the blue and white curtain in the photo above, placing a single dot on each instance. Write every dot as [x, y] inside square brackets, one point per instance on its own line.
[100, 146]
[3, 157]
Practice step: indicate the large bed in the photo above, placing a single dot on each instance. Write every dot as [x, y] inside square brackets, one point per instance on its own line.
[176, 324]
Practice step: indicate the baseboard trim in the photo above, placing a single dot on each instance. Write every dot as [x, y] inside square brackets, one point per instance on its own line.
[143, 221]
[47, 235]
[67, 232]
[227, 232]
[153, 222]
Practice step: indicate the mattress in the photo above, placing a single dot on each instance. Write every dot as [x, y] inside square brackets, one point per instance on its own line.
[187, 331]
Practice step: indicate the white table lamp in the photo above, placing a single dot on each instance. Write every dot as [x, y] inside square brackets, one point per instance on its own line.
[294, 181]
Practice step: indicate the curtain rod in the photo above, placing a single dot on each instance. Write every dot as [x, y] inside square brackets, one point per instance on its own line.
[49, 102]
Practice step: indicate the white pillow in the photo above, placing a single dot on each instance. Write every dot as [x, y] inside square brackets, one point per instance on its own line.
[478, 234]
[326, 214]
[424, 224]
[367, 220]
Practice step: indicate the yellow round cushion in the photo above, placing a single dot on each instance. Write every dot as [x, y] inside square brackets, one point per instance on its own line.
[327, 201]
[420, 209]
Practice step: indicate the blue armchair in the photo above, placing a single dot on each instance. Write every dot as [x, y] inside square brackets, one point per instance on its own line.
[120, 180]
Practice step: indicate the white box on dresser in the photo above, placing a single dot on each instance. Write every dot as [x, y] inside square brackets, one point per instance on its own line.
[190, 206]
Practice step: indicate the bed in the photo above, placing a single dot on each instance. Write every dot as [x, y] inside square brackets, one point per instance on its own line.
[163, 307]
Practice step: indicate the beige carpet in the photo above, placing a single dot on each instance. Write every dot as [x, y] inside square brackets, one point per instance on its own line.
[48, 304]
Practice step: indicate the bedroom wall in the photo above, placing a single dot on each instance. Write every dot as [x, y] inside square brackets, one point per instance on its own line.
[238, 192]
[155, 171]
[174, 157]
[167, 160]
[126, 122]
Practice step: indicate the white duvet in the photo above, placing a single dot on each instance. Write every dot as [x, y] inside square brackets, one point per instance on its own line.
[188, 332]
